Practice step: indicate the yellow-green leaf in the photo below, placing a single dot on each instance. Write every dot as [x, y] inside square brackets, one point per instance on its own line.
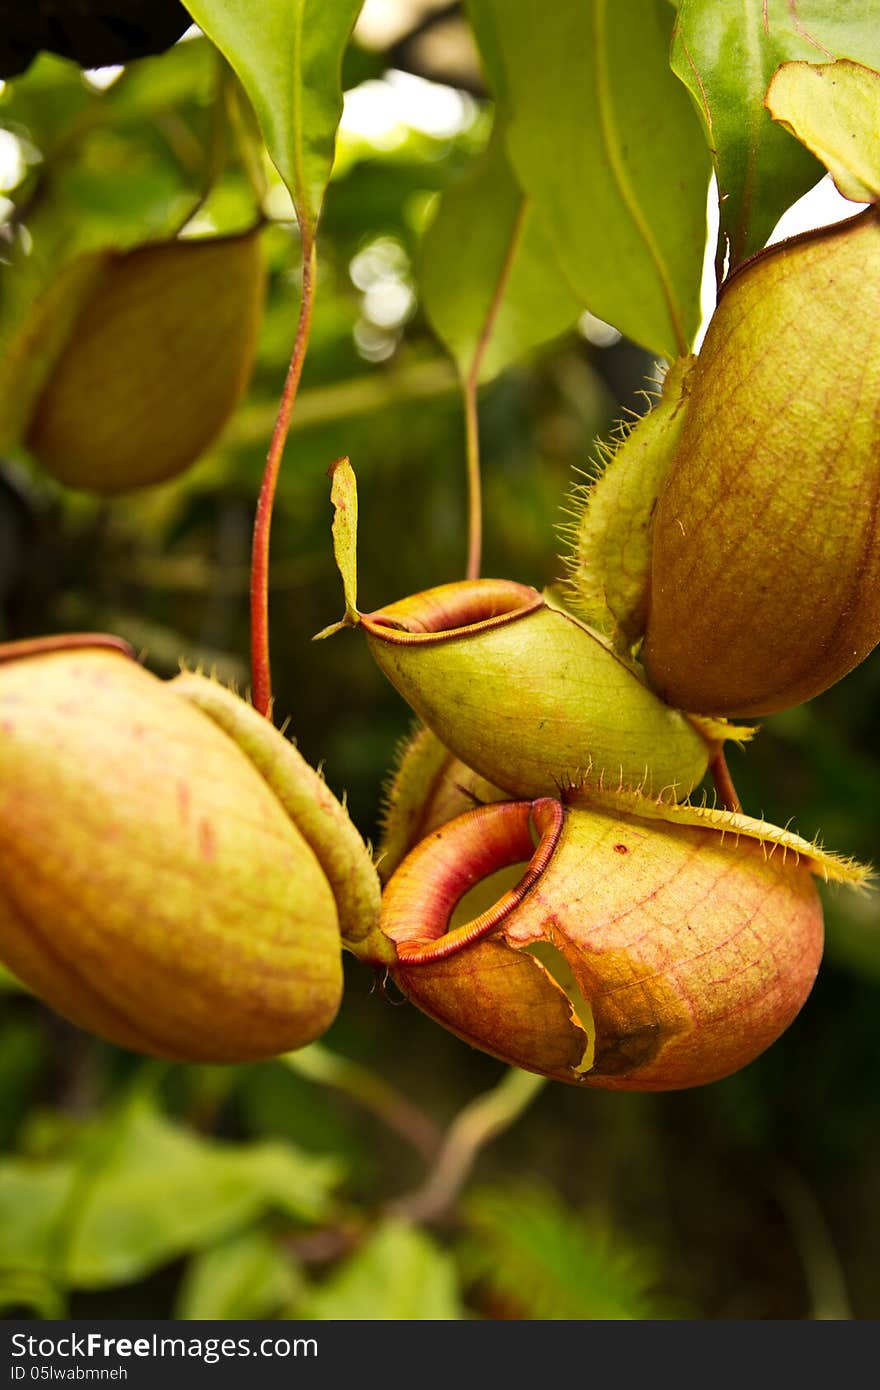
[725, 54]
[490, 281]
[343, 496]
[143, 1191]
[246, 1276]
[288, 55]
[398, 1275]
[608, 147]
[833, 109]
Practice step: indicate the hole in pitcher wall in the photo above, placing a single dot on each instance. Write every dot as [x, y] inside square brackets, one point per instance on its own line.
[486, 891]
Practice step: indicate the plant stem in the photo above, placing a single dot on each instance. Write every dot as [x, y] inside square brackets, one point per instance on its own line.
[724, 788]
[481, 1121]
[317, 1063]
[261, 674]
[474, 483]
[469, 392]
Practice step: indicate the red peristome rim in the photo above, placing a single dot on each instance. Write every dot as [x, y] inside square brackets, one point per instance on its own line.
[63, 642]
[421, 895]
[450, 610]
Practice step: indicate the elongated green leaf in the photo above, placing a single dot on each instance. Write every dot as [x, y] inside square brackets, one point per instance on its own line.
[489, 277]
[833, 109]
[288, 55]
[247, 1276]
[611, 153]
[486, 20]
[726, 54]
[398, 1275]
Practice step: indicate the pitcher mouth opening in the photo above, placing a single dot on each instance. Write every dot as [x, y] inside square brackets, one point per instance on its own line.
[423, 893]
[452, 609]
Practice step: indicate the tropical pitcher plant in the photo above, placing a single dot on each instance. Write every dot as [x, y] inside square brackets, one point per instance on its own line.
[567, 879]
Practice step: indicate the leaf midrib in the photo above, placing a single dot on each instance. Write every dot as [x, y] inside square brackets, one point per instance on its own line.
[618, 170]
[304, 212]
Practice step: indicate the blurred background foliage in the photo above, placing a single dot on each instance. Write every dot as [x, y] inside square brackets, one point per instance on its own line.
[130, 1188]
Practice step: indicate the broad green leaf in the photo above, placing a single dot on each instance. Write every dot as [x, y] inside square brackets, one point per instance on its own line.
[33, 1198]
[164, 1191]
[490, 282]
[288, 55]
[56, 107]
[726, 54]
[142, 1191]
[248, 1276]
[487, 21]
[833, 109]
[398, 1275]
[185, 73]
[543, 1261]
[47, 100]
[611, 153]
